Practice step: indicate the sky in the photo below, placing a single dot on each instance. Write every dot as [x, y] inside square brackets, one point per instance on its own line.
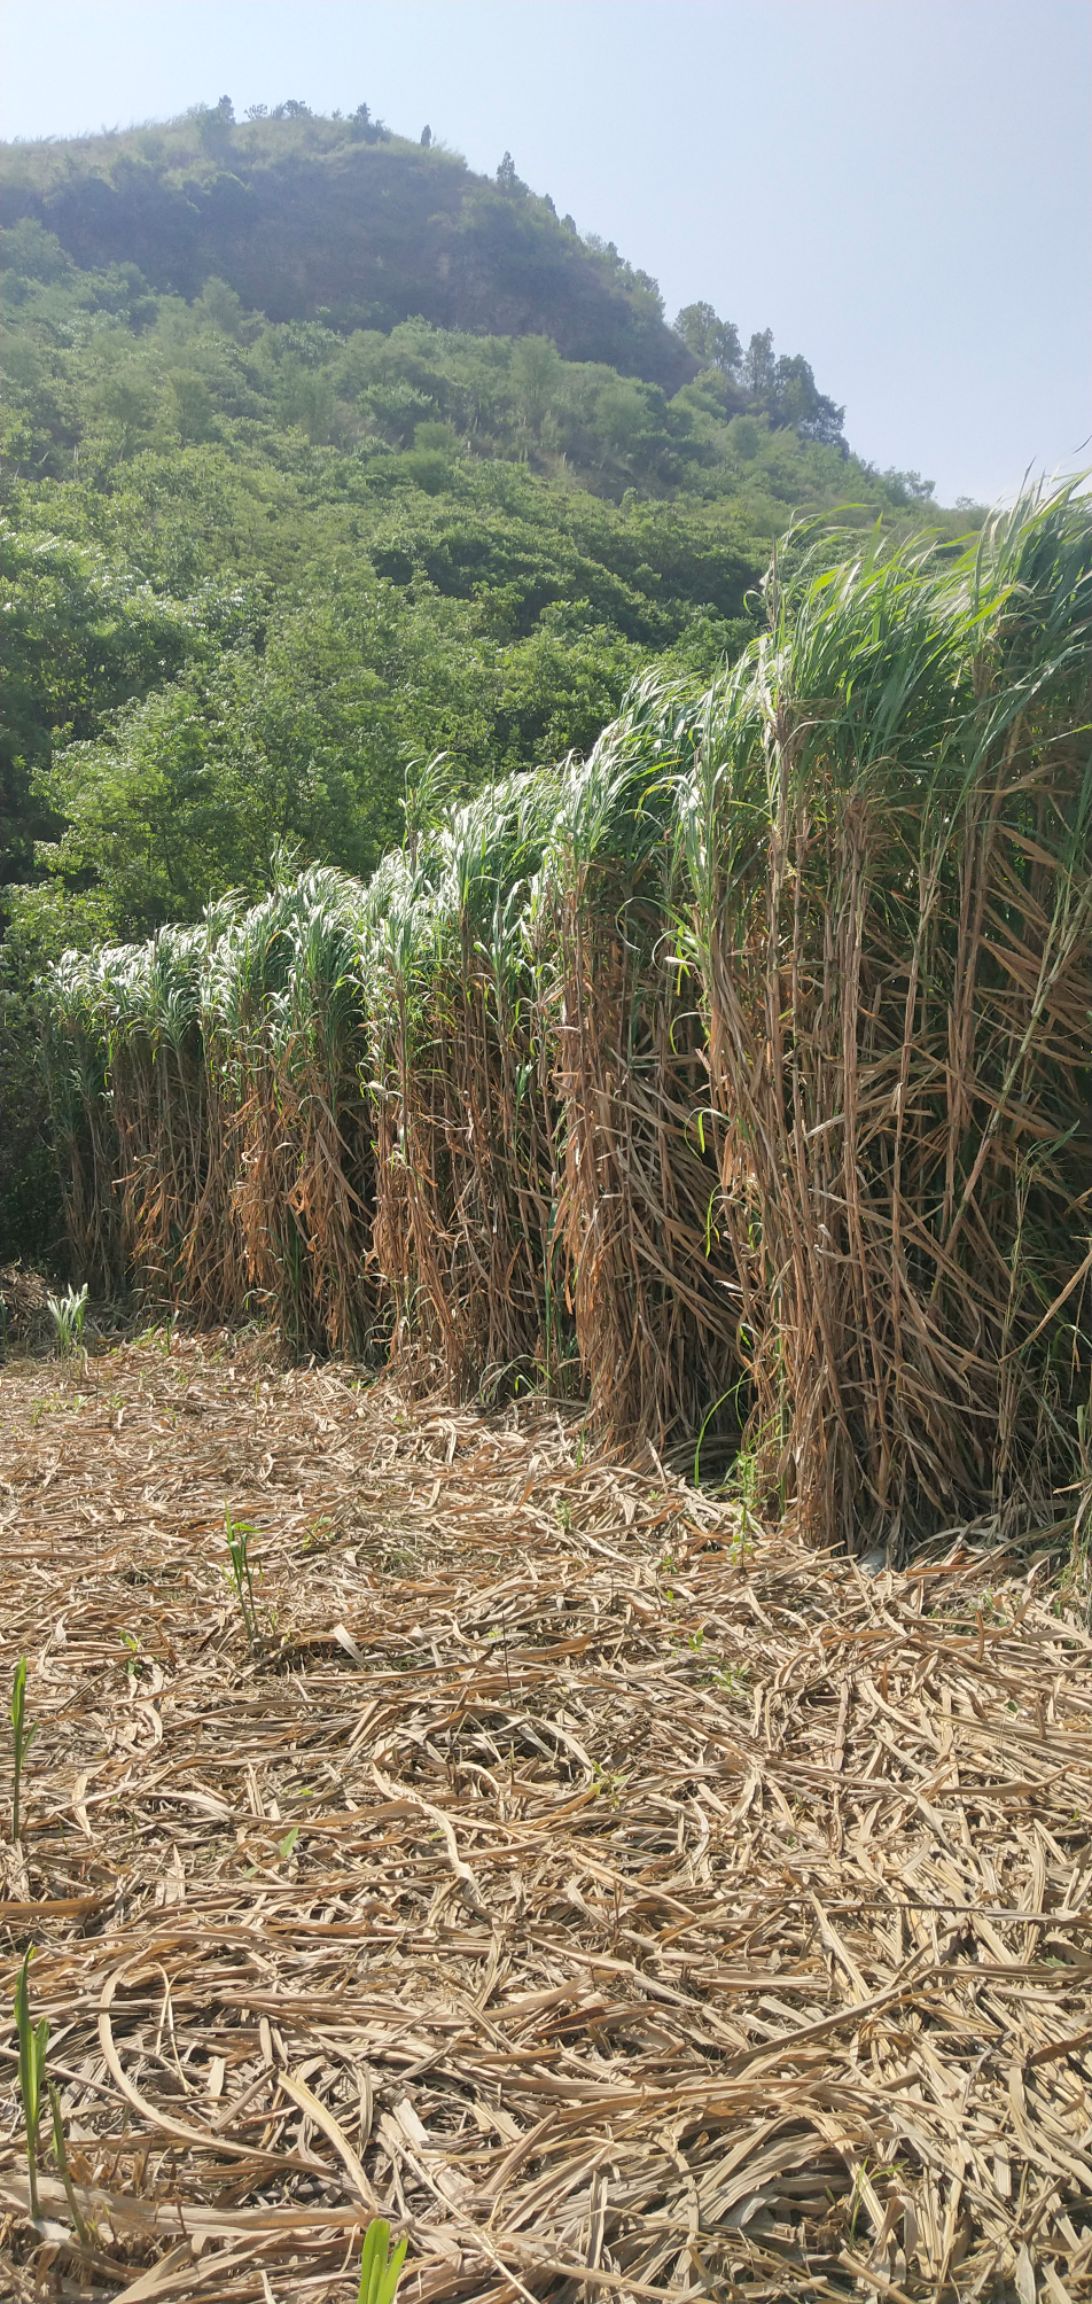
[900, 189]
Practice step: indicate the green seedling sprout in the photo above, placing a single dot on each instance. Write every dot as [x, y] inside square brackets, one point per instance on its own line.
[60, 2154]
[68, 1313]
[134, 1661]
[380, 2265]
[22, 1738]
[33, 2042]
[238, 1534]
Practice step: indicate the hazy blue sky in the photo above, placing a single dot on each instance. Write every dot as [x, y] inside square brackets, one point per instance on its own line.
[901, 189]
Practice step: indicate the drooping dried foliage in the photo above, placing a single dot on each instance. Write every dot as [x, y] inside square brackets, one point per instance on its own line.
[656, 1307]
[286, 1028]
[464, 1138]
[891, 852]
[410, 1197]
[75, 1047]
[496, 1265]
[755, 1051]
[160, 1091]
[135, 1117]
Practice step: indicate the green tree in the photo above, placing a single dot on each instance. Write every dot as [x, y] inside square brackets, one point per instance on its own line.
[214, 124]
[80, 635]
[795, 399]
[758, 363]
[507, 179]
[536, 371]
[192, 790]
[713, 341]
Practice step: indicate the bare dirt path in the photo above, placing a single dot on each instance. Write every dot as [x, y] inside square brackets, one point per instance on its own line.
[628, 1905]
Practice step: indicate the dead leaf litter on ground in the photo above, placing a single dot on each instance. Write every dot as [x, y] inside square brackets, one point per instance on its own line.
[627, 1902]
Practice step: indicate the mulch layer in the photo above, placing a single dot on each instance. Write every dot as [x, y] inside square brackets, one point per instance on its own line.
[627, 1902]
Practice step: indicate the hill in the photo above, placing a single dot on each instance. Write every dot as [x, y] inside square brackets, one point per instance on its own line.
[337, 220]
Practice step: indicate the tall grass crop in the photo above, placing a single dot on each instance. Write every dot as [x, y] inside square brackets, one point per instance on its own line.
[748, 1060]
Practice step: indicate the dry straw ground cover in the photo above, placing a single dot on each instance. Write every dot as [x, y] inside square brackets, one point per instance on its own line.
[629, 1903]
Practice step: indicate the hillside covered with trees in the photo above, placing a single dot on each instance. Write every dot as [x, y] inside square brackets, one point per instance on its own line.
[321, 455]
